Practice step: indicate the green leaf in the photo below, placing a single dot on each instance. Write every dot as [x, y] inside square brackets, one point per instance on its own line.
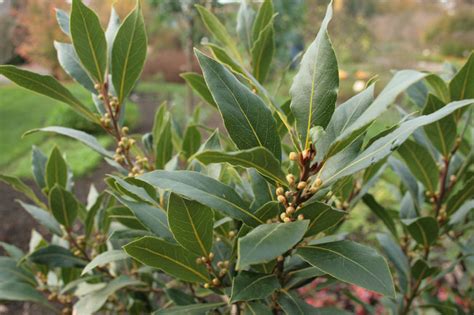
[193, 309]
[223, 57]
[262, 52]
[111, 31]
[248, 286]
[245, 17]
[48, 86]
[89, 40]
[351, 262]
[438, 87]
[56, 256]
[43, 217]
[381, 213]
[63, 205]
[314, 88]
[204, 190]
[38, 165]
[395, 254]
[152, 217]
[56, 169]
[292, 304]
[93, 302]
[424, 230]
[198, 84]
[258, 158]
[257, 308]
[421, 270]
[104, 258]
[172, 259]
[20, 186]
[215, 27]
[386, 145]
[264, 16]
[126, 217]
[457, 199]
[138, 190]
[129, 53]
[18, 291]
[321, 217]
[164, 145]
[13, 251]
[10, 270]
[62, 18]
[81, 136]
[191, 224]
[442, 133]
[268, 241]
[191, 141]
[69, 61]
[301, 276]
[421, 163]
[247, 119]
[461, 85]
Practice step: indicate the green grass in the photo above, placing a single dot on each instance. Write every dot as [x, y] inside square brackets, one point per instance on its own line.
[22, 110]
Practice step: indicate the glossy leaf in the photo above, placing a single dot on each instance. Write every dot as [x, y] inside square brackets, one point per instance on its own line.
[56, 256]
[387, 144]
[204, 190]
[193, 309]
[268, 241]
[56, 169]
[421, 270]
[292, 304]
[381, 213]
[247, 119]
[421, 163]
[198, 84]
[315, 86]
[262, 52]
[395, 255]
[62, 18]
[321, 217]
[89, 40]
[424, 230]
[264, 16]
[164, 145]
[457, 199]
[171, 258]
[63, 205]
[258, 158]
[111, 31]
[191, 141]
[42, 217]
[38, 165]
[18, 291]
[461, 85]
[129, 53]
[20, 186]
[191, 224]
[441, 133]
[81, 136]
[249, 286]
[104, 258]
[351, 262]
[48, 86]
[69, 61]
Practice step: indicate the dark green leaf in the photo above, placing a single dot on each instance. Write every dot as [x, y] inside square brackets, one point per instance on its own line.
[46, 85]
[258, 158]
[70, 62]
[56, 169]
[20, 186]
[262, 52]
[249, 286]
[424, 230]
[126, 217]
[421, 163]
[56, 256]
[11, 271]
[129, 53]
[17, 291]
[194, 309]
[63, 205]
[197, 83]
[294, 305]
[381, 213]
[247, 119]
[204, 190]
[191, 224]
[43, 217]
[89, 40]
[462, 84]
[438, 87]
[268, 241]
[164, 145]
[457, 199]
[257, 308]
[104, 258]
[38, 164]
[420, 270]
[81, 136]
[179, 297]
[172, 259]
[351, 262]
[191, 141]
[315, 86]
[395, 254]
[263, 192]
[321, 217]
[221, 55]
[264, 16]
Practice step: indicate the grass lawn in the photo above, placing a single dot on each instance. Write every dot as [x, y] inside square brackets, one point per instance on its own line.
[22, 110]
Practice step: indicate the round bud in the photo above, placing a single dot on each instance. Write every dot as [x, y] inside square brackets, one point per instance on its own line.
[290, 210]
[125, 130]
[345, 204]
[226, 263]
[281, 199]
[286, 220]
[101, 97]
[280, 258]
[97, 86]
[300, 217]
[301, 185]
[199, 261]
[207, 285]
[269, 221]
[288, 194]
[283, 216]
[211, 256]
[279, 191]
[131, 141]
[204, 259]
[452, 178]
[306, 154]
[231, 234]
[216, 281]
[290, 178]
[293, 156]
[318, 182]
[220, 264]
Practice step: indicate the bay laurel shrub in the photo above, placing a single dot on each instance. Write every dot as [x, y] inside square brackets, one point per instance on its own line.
[238, 222]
